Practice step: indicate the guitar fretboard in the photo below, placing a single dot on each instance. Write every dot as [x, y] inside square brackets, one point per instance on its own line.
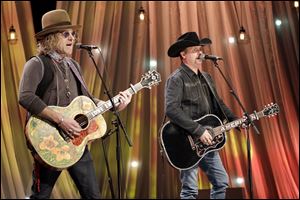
[221, 129]
[116, 100]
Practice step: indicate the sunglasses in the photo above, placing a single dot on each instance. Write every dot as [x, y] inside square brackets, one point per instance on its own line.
[67, 34]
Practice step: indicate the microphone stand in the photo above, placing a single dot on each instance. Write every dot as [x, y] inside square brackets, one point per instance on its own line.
[107, 166]
[117, 123]
[250, 121]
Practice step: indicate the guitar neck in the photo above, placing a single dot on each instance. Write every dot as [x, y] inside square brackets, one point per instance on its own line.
[221, 129]
[116, 100]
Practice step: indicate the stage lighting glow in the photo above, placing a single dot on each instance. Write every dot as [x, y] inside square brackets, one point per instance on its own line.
[278, 22]
[134, 164]
[240, 180]
[153, 63]
[231, 40]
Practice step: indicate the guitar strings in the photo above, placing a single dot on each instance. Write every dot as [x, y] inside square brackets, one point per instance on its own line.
[82, 119]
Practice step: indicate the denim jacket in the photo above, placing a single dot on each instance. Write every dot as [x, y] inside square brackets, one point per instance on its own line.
[188, 97]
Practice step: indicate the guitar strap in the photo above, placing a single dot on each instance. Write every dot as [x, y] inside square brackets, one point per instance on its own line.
[161, 149]
[206, 78]
[159, 131]
[78, 75]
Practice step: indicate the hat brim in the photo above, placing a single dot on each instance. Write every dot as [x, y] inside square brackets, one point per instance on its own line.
[45, 32]
[177, 47]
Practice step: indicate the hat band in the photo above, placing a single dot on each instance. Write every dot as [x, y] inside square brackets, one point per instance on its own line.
[58, 24]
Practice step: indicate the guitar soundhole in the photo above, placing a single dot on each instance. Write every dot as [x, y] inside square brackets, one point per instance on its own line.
[82, 120]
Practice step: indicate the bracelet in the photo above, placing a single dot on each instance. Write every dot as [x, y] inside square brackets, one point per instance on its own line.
[60, 121]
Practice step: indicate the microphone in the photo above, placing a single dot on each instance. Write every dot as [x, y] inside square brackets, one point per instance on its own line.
[85, 46]
[209, 57]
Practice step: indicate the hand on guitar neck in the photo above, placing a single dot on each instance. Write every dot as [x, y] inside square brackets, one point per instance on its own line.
[125, 98]
[247, 123]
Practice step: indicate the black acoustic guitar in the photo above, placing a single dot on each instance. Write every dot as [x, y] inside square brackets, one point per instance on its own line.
[184, 151]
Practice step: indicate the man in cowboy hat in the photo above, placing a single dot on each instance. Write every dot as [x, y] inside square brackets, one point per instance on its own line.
[189, 95]
[54, 78]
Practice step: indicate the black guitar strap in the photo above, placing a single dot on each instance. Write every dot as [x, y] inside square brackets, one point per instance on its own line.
[206, 78]
[161, 149]
[159, 131]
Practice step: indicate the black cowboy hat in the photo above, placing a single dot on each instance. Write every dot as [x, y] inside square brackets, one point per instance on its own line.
[188, 39]
[55, 20]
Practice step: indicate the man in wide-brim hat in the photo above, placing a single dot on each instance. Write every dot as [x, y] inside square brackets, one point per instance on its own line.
[58, 33]
[53, 78]
[190, 95]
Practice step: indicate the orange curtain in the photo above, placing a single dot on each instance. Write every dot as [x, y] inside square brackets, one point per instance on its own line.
[262, 70]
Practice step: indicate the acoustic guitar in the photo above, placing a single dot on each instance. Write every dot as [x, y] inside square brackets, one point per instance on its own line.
[55, 148]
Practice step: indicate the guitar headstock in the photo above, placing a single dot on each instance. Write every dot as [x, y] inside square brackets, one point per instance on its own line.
[271, 110]
[150, 79]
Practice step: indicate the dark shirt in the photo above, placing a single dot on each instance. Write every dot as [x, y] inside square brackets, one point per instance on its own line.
[188, 97]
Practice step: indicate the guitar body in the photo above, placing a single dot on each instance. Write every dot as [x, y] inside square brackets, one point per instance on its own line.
[185, 151]
[56, 149]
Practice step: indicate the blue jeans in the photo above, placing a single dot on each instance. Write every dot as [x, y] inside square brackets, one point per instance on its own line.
[212, 166]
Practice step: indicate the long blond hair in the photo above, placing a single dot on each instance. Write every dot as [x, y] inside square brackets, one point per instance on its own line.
[49, 43]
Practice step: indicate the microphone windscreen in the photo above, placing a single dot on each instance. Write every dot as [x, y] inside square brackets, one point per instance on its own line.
[202, 56]
[78, 45]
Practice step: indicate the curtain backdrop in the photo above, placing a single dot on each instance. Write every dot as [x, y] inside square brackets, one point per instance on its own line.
[262, 70]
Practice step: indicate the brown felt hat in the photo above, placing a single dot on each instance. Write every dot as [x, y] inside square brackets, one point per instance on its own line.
[55, 20]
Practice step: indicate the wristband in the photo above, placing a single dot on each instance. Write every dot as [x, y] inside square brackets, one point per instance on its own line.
[60, 121]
